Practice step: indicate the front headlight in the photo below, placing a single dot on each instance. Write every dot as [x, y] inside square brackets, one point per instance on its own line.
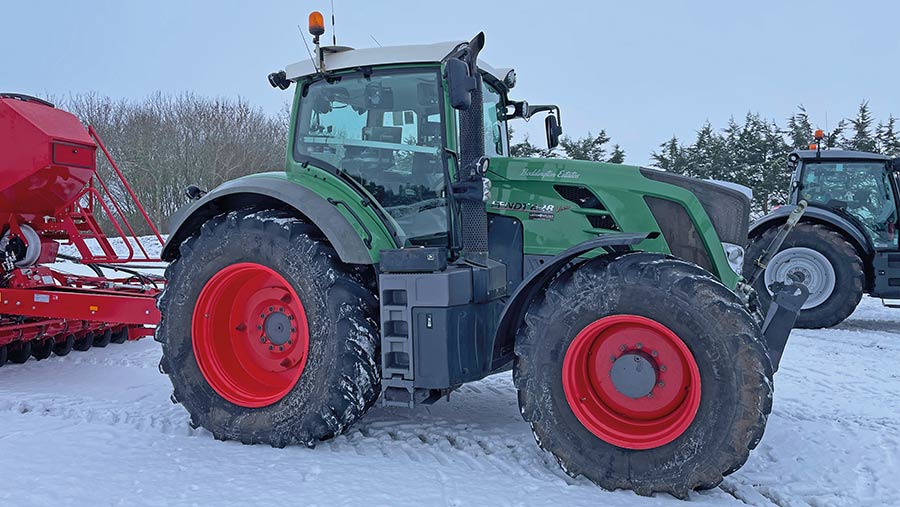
[735, 255]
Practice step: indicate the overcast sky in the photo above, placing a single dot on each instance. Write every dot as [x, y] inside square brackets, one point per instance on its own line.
[641, 70]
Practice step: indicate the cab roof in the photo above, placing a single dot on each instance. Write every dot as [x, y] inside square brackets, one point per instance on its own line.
[840, 154]
[342, 58]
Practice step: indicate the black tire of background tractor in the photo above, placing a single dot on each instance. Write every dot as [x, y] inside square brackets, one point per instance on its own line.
[340, 380]
[3, 355]
[102, 339]
[41, 350]
[120, 336]
[19, 352]
[736, 373]
[64, 347]
[83, 343]
[848, 271]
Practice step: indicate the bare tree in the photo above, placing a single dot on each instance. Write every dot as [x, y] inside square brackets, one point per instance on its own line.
[166, 142]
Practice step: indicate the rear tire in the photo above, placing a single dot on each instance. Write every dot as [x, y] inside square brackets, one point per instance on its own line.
[339, 380]
[678, 306]
[838, 296]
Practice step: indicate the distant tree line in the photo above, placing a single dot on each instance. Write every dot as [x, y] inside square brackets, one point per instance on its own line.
[752, 152]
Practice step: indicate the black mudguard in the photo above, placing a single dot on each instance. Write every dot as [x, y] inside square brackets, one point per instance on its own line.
[816, 215]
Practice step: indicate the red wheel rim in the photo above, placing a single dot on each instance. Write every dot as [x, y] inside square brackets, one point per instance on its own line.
[250, 335]
[632, 422]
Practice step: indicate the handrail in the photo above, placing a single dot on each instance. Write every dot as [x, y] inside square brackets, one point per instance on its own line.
[125, 184]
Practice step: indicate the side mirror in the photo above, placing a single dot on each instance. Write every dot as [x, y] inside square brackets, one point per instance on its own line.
[553, 130]
[460, 82]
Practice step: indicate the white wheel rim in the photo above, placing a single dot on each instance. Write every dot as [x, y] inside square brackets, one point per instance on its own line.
[815, 271]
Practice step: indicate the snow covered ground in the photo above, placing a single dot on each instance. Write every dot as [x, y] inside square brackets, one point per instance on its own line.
[98, 428]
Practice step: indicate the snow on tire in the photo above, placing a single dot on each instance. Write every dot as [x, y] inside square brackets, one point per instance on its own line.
[691, 422]
[298, 362]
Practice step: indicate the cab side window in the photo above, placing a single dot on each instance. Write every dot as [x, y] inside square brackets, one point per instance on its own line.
[495, 139]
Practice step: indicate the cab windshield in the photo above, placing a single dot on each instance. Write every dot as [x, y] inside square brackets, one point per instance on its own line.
[861, 189]
[384, 130]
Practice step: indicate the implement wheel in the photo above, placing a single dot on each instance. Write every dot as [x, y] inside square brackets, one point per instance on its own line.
[121, 336]
[83, 343]
[643, 372]
[63, 347]
[267, 337]
[103, 338]
[42, 349]
[19, 352]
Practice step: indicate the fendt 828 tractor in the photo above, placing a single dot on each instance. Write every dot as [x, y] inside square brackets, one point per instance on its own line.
[403, 253]
[846, 243]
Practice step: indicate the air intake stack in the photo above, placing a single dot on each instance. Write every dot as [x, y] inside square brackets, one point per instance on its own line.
[473, 217]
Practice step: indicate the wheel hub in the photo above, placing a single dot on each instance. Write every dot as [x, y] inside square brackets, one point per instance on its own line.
[634, 374]
[806, 266]
[277, 328]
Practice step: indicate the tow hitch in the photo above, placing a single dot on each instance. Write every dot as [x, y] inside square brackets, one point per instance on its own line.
[788, 296]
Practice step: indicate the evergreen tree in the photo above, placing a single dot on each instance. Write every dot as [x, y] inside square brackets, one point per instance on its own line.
[799, 129]
[861, 127]
[671, 157]
[589, 147]
[887, 139]
[617, 156]
[707, 155]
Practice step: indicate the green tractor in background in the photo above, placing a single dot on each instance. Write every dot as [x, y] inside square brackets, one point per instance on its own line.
[403, 253]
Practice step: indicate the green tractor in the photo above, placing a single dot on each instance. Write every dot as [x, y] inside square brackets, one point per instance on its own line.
[403, 253]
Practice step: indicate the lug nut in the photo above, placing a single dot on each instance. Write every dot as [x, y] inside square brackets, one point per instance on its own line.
[622, 348]
[259, 328]
[281, 348]
[639, 345]
[271, 347]
[262, 315]
[612, 358]
[662, 368]
[271, 308]
[290, 342]
[650, 395]
[654, 353]
[661, 384]
[262, 339]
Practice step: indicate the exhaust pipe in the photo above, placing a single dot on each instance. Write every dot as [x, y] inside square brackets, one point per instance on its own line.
[473, 216]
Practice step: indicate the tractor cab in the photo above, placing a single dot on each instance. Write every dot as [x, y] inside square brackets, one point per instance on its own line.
[394, 128]
[861, 187]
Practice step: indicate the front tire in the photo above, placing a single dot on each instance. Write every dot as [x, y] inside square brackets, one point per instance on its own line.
[692, 422]
[828, 265]
[267, 337]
